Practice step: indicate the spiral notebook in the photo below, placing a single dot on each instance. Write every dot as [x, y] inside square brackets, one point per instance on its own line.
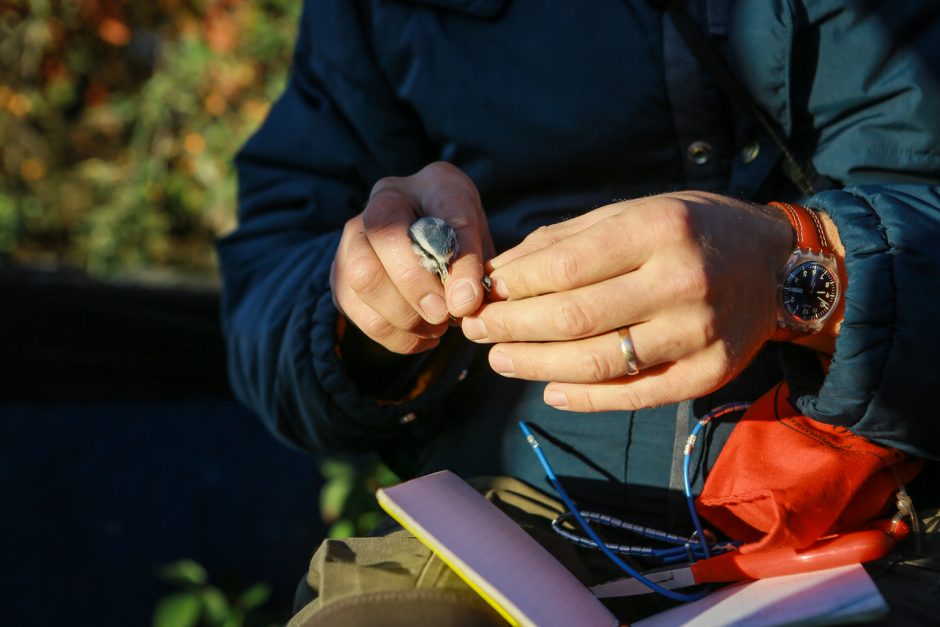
[489, 551]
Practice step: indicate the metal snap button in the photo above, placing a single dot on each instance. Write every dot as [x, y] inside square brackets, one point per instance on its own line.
[750, 152]
[699, 152]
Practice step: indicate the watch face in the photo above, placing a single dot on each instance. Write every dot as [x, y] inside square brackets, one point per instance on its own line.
[809, 291]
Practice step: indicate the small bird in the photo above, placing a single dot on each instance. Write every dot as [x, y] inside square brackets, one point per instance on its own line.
[435, 243]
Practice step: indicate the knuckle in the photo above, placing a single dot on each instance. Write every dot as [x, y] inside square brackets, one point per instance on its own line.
[628, 397]
[365, 275]
[693, 283]
[586, 401]
[376, 327]
[598, 367]
[566, 267]
[443, 172]
[411, 276]
[441, 168]
[675, 219]
[709, 327]
[573, 319]
[413, 322]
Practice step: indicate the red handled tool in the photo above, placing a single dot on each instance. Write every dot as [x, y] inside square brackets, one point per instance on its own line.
[841, 550]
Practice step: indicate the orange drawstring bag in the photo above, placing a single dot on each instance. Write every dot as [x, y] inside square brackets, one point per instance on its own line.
[785, 480]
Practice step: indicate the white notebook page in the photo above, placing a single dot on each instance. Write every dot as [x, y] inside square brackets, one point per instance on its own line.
[824, 597]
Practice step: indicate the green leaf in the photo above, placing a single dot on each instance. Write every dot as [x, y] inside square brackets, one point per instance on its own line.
[215, 605]
[185, 573]
[181, 609]
[342, 529]
[255, 596]
[331, 468]
[386, 477]
[368, 521]
[333, 497]
[235, 619]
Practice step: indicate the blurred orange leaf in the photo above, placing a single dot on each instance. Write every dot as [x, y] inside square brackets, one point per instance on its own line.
[114, 31]
[194, 143]
[214, 104]
[221, 33]
[33, 169]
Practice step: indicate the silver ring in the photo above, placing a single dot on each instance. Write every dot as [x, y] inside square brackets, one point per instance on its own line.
[626, 347]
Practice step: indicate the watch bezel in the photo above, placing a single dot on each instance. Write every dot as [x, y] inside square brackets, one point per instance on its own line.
[798, 258]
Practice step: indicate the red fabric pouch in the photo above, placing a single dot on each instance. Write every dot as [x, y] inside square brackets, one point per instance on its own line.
[785, 480]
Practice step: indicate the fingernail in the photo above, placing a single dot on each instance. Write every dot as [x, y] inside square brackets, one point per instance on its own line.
[462, 293]
[501, 362]
[474, 329]
[434, 308]
[556, 398]
[498, 287]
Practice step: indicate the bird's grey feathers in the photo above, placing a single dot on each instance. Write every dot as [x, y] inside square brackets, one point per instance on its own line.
[435, 243]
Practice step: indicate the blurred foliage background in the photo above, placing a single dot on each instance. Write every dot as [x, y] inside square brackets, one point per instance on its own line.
[119, 121]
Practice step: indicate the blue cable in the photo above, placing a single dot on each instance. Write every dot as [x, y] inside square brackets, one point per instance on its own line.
[718, 412]
[677, 596]
[687, 552]
[676, 553]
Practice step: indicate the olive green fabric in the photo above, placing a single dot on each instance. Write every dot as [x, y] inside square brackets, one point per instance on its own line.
[391, 580]
[396, 580]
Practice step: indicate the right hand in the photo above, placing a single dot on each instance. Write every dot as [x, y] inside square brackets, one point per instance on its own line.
[377, 280]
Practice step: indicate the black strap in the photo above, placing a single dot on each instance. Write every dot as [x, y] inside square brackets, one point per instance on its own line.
[804, 177]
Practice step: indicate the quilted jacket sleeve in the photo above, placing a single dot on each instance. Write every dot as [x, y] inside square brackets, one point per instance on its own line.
[302, 176]
[883, 379]
[876, 117]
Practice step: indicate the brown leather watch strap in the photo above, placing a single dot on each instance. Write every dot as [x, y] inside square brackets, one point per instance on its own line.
[810, 235]
[809, 231]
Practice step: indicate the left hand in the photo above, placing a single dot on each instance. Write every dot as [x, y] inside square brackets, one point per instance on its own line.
[692, 275]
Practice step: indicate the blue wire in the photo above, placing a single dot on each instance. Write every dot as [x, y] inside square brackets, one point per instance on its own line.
[677, 596]
[688, 551]
[675, 553]
[686, 462]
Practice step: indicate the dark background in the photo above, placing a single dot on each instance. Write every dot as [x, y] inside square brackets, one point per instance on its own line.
[121, 449]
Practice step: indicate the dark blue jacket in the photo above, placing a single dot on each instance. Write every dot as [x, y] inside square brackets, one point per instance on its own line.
[553, 109]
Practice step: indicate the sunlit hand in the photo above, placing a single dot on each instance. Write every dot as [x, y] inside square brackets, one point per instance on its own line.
[692, 276]
[378, 282]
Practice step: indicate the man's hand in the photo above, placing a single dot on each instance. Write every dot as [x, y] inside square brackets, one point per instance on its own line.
[378, 282]
[693, 276]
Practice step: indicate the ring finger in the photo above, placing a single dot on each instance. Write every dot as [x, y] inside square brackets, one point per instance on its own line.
[596, 359]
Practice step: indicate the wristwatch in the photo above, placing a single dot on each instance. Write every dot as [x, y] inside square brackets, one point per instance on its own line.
[809, 280]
